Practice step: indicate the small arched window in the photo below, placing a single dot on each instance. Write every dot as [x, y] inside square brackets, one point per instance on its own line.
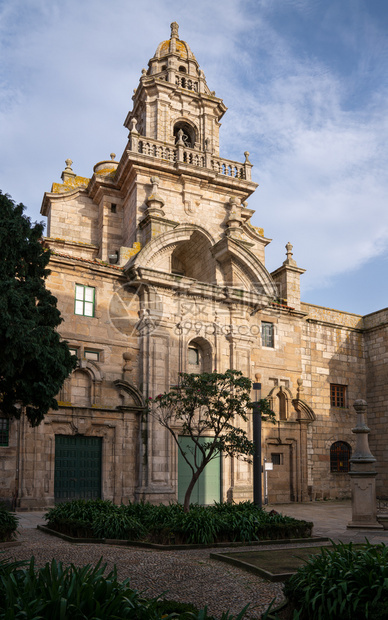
[340, 453]
[182, 69]
[199, 356]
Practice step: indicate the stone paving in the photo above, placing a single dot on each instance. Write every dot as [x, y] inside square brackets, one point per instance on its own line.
[191, 576]
[330, 519]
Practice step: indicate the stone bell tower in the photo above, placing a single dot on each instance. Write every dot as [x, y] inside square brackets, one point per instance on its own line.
[173, 103]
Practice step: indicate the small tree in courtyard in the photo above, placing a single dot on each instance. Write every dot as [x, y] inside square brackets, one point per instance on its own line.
[34, 362]
[204, 407]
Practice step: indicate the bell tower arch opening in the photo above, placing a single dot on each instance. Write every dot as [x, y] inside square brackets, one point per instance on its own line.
[185, 132]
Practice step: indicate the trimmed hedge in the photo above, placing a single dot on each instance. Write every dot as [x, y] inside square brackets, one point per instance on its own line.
[171, 525]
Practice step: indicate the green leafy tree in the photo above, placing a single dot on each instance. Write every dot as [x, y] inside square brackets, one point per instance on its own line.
[207, 408]
[34, 361]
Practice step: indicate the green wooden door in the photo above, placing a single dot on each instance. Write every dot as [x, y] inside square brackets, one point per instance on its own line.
[207, 489]
[77, 467]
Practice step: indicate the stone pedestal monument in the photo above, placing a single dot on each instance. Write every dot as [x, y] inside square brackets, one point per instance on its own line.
[363, 475]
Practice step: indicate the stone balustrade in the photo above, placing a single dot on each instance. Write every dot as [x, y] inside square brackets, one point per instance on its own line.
[185, 81]
[155, 149]
[186, 155]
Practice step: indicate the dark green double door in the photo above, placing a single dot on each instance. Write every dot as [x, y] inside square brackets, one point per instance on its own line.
[77, 467]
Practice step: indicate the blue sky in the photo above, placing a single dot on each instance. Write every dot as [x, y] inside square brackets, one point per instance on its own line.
[306, 85]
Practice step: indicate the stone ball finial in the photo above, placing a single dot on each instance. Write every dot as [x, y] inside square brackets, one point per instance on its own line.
[246, 153]
[68, 163]
[174, 30]
[360, 405]
[113, 156]
[289, 260]
[144, 72]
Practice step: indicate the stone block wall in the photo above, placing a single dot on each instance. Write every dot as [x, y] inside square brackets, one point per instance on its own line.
[376, 350]
[332, 353]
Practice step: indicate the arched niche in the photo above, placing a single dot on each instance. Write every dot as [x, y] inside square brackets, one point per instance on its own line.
[83, 387]
[185, 251]
[80, 388]
[199, 356]
[193, 259]
[280, 398]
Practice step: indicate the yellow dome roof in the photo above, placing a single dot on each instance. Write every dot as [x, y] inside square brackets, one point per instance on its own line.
[174, 45]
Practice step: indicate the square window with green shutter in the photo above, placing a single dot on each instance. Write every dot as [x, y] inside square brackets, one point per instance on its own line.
[84, 300]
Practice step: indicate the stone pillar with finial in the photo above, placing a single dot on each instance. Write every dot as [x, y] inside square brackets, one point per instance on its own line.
[234, 221]
[68, 175]
[287, 278]
[174, 36]
[247, 167]
[133, 136]
[363, 475]
[155, 202]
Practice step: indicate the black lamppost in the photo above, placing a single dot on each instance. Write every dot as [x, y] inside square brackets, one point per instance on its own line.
[257, 495]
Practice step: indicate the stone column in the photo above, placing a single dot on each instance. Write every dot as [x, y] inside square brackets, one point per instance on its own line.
[363, 475]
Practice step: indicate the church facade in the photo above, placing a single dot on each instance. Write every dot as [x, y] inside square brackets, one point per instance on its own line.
[158, 270]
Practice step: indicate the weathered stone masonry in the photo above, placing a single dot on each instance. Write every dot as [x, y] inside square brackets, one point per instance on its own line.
[158, 270]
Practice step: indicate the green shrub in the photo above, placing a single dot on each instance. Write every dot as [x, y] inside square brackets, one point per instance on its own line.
[118, 525]
[170, 524]
[8, 524]
[72, 593]
[344, 582]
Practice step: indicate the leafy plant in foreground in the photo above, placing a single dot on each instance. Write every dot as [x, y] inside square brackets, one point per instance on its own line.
[8, 524]
[344, 582]
[81, 593]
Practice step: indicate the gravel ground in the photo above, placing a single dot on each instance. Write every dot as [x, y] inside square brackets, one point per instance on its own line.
[187, 576]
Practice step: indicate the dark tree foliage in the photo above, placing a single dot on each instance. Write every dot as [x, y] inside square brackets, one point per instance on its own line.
[34, 362]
